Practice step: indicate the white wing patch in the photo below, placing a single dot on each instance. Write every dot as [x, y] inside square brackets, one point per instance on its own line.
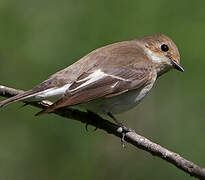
[53, 92]
[114, 84]
[94, 77]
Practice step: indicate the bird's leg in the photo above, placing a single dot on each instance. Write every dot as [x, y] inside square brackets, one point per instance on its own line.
[91, 114]
[115, 119]
[124, 129]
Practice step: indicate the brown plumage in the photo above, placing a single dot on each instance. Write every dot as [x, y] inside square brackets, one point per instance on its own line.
[108, 72]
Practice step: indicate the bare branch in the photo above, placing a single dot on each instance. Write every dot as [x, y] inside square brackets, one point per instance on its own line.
[131, 137]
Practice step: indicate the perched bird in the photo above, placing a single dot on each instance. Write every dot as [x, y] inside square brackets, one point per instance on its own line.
[111, 79]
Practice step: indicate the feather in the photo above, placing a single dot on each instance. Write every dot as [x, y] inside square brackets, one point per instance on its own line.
[102, 83]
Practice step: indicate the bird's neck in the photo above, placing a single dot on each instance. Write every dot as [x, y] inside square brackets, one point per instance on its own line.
[162, 68]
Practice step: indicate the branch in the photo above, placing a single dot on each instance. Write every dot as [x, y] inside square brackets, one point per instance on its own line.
[131, 137]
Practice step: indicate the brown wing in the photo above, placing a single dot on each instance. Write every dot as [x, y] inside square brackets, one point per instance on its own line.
[103, 83]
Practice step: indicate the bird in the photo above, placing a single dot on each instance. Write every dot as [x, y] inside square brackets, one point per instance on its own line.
[109, 80]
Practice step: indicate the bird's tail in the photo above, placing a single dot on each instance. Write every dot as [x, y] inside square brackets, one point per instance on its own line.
[44, 86]
[19, 97]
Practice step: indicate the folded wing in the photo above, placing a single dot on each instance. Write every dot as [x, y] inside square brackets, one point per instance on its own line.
[103, 83]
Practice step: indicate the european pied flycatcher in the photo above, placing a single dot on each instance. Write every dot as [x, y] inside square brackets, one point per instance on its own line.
[109, 80]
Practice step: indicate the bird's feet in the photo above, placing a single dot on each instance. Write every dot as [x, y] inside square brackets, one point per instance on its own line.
[124, 130]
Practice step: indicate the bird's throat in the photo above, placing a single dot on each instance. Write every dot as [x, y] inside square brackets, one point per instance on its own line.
[162, 69]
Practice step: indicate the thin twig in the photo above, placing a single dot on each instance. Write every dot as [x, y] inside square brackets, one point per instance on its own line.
[131, 137]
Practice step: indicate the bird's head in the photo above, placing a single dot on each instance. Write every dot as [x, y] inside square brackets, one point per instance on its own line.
[163, 52]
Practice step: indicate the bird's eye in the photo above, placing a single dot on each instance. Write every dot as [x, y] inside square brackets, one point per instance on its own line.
[164, 47]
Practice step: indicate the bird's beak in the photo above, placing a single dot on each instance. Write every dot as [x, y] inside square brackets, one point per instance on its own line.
[177, 66]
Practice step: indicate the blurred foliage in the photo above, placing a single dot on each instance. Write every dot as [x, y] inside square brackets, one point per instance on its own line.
[41, 37]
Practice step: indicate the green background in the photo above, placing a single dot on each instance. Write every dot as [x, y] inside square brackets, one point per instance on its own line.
[38, 38]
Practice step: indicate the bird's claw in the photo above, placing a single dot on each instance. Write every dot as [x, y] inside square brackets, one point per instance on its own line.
[124, 131]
